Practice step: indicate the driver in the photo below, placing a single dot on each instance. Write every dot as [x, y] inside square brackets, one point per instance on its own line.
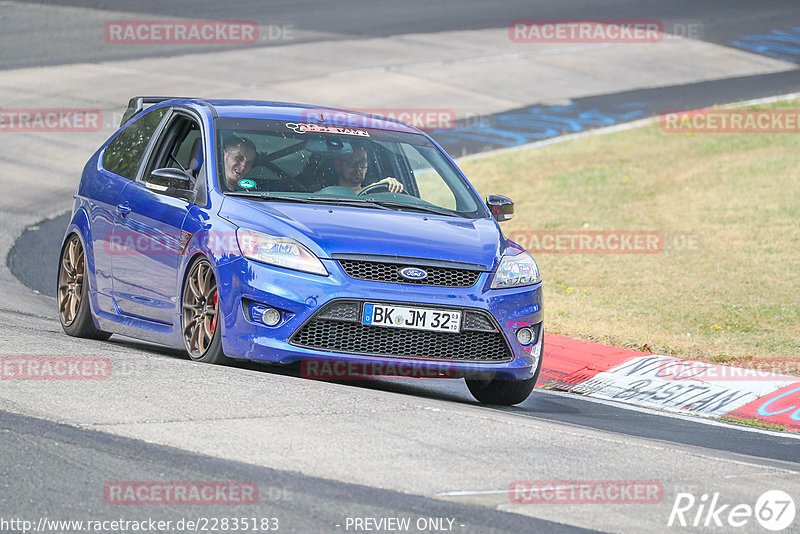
[239, 154]
[352, 168]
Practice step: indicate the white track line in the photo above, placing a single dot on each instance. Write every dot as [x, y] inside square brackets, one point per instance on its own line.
[694, 418]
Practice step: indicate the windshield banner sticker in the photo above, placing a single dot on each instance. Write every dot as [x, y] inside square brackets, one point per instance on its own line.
[303, 127]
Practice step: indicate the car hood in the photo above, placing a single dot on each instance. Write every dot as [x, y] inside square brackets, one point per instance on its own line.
[328, 229]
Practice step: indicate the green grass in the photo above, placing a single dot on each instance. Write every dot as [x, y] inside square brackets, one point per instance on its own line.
[753, 422]
[727, 285]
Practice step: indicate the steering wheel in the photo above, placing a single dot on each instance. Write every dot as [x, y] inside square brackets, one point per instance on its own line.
[376, 187]
[373, 188]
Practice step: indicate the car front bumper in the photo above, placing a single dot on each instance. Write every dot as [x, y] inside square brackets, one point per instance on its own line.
[302, 297]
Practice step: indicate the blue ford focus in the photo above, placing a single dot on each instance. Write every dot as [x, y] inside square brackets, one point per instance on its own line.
[287, 233]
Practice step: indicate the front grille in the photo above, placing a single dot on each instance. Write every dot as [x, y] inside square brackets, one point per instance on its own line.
[342, 310]
[478, 321]
[379, 271]
[334, 329]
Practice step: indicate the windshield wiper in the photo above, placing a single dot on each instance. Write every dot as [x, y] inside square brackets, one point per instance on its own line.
[367, 203]
[266, 196]
[309, 200]
[426, 209]
[345, 200]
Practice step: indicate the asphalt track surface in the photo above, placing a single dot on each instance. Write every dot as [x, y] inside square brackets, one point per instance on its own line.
[301, 503]
[73, 40]
[30, 268]
[55, 481]
[495, 132]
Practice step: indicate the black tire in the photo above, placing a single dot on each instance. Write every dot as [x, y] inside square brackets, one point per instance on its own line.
[73, 302]
[199, 315]
[505, 392]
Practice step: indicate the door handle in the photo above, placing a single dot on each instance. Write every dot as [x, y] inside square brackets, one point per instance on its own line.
[123, 209]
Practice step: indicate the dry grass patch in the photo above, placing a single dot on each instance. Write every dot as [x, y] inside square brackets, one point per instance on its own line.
[733, 298]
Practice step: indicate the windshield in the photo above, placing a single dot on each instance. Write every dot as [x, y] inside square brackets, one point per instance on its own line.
[358, 166]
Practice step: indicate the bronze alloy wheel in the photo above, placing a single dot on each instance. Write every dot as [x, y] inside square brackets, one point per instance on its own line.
[70, 281]
[74, 310]
[200, 305]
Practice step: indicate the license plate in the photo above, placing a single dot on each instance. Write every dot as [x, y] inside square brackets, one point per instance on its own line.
[435, 320]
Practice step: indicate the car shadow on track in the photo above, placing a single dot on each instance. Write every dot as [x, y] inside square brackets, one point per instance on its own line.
[452, 390]
[137, 344]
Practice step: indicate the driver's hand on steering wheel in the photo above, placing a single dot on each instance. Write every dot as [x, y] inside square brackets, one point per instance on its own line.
[394, 184]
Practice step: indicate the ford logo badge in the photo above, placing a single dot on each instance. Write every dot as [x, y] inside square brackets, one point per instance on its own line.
[413, 273]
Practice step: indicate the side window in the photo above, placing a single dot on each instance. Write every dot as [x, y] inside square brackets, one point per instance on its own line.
[124, 154]
[189, 151]
[179, 147]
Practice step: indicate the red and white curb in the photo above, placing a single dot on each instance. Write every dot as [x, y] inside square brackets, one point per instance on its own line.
[671, 384]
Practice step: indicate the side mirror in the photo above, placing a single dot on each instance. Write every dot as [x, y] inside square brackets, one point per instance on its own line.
[502, 208]
[169, 177]
[173, 182]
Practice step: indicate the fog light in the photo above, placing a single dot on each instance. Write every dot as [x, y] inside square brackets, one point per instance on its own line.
[524, 335]
[271, 317]
[268, 316]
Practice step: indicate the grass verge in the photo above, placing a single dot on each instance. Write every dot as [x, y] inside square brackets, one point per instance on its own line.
[725, 288]
[753, 422]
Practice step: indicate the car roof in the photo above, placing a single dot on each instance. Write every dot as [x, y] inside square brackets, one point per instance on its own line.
[287, 111]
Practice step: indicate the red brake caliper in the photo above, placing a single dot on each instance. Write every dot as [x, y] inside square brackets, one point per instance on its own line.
[216, 309]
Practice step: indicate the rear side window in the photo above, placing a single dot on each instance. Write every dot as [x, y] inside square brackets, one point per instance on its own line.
[124, 154]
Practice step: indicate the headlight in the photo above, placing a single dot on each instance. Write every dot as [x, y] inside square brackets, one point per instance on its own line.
[513, 271]
[280, 251]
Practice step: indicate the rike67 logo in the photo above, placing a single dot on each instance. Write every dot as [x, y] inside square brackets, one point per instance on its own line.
[774, 510]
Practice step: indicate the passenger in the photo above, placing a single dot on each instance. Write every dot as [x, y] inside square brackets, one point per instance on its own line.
[352, 168]
[239, 154]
